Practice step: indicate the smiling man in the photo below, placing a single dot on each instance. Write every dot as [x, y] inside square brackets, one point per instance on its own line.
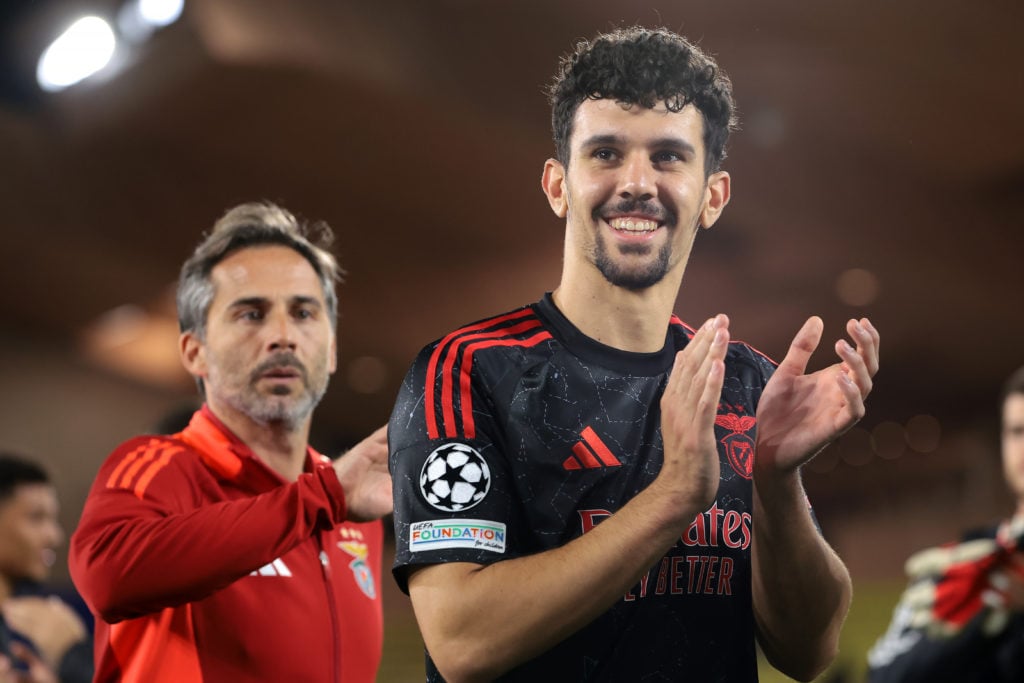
[229, 550]
[586, 488]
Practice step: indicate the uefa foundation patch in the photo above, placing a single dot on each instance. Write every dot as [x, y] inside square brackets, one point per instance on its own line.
[457, 533]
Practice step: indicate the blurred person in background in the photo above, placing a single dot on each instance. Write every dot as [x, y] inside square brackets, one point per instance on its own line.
[586, 488]
[42, 638]
[961, 618]
[232, 550]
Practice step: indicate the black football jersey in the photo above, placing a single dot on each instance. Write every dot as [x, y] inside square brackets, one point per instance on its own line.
[516, 434]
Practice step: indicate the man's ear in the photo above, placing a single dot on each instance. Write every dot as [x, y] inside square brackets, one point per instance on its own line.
[333, 365]
[552, 181]
[193, 354]
[716, 196]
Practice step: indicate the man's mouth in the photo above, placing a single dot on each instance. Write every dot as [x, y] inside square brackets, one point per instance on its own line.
[633, 225]
[285, 368]
[285, 373]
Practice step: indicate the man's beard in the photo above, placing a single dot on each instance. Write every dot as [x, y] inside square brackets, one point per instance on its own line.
[650, 274]
[287, 411]
[282, 406]
[633, 279]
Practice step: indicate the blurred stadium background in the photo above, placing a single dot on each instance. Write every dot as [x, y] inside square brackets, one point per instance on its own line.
[879, 171]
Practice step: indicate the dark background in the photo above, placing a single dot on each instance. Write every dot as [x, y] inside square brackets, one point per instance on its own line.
[879, 171]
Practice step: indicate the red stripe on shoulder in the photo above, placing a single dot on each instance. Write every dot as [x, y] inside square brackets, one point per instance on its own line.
[690, 331]
[762, 354]
[465, 390]
[138, 467]
[445, 353]
[676, 320]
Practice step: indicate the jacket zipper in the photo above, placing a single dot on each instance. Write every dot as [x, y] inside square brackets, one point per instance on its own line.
[325, 572]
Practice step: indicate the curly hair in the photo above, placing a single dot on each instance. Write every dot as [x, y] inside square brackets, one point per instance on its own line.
[252, 225]
[643, 66]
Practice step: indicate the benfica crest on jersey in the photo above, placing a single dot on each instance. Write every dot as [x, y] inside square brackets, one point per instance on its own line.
[738, 445]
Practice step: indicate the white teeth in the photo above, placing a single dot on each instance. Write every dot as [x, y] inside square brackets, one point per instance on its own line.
[633, 224]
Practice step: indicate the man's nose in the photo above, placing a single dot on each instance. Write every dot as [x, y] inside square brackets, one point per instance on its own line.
[638, 179]
[281, 330]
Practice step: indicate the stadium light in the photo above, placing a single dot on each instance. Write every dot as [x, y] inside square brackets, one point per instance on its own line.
[139, 18]
[82, 50]
[160, 12]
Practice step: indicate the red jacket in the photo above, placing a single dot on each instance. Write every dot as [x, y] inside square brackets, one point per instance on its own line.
[202, 564]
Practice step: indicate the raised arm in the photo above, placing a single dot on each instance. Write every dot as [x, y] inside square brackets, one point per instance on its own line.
[480, 621]
[802, 590]
[137, 551]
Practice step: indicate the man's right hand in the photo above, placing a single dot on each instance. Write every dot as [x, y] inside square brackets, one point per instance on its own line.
[363, 473]
[689, 405]
[50, 623]
[35, 669]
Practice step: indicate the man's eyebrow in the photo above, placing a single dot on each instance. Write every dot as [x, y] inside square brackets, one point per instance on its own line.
[674, 143]
[659, 143]
[247, 301]
[602, 139]
[304, 300]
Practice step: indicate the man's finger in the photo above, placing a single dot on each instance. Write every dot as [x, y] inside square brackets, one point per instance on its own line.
[868, 340]
[716, 342]
[804, 344]
[686, 363]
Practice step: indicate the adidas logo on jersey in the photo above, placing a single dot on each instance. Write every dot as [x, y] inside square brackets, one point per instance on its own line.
[275, 568]
[590, 453]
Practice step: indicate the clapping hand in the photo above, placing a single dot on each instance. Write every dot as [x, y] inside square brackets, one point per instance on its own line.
[799, 414]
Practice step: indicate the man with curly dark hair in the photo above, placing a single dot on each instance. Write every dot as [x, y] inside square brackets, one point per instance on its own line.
[577, 495]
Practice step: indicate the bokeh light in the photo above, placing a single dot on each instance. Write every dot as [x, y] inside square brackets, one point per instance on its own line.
[857, 287]
[82, 50]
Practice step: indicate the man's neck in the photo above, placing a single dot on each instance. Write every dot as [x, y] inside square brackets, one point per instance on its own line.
[280, 446]
[629, 320]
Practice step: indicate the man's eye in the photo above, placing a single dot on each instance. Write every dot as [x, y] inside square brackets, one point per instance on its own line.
[251, 314]
[666, 157]
[304, 314]
[604, 154]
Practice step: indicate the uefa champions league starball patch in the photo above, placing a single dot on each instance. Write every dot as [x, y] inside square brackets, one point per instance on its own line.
[455, 477]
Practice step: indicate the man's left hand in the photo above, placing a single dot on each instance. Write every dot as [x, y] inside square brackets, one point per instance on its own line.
[799, 414]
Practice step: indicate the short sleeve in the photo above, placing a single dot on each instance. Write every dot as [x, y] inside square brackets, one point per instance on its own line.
[452, 485]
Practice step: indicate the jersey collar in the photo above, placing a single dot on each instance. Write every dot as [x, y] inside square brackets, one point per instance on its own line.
[225, 453]
[591, 350]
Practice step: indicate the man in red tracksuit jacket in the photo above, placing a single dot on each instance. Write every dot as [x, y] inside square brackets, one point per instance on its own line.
[232, 551]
